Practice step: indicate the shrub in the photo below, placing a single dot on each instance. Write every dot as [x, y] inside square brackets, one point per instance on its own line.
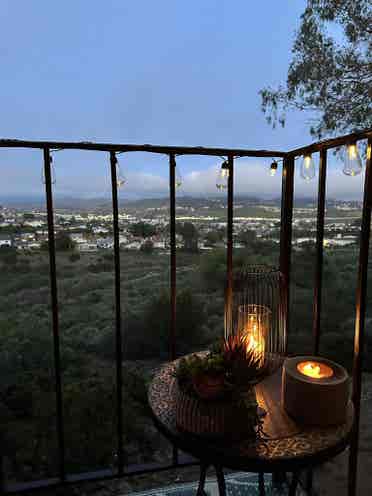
[74, 257]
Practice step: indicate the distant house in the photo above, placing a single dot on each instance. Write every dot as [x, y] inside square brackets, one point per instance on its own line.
[87, 247]
[34, 245]
[78, 237]
[5, 240]
[34, 223]
[100, 230]
[159, 244]
[123, 240]
[134, 245]
[105, 243]
[346, 241]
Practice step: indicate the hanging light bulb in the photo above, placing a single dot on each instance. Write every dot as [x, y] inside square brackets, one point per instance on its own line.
[52, 172]
[352, 161]
[121, 180]
[273, 167]
[223, 176]
[178, 178]
[308, 167]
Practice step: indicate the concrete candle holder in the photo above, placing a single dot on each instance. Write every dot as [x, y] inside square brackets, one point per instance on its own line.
[315, 390]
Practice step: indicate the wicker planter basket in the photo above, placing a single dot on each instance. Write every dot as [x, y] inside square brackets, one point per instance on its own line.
[217, 418]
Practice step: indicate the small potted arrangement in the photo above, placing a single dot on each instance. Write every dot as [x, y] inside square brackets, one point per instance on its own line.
[215, 391]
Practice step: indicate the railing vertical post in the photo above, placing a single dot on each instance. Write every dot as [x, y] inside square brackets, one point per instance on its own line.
[319, 250]
[286, 231]
[229, 254]
[118, 336]
[173, 289]
[2, 474]
[173, 267]
[361, 294]
[55, 319]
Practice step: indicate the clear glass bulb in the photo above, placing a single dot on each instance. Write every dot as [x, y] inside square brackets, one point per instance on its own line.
[178, 178]
[308, 168]
[121, 180]
[273, 168]
[352, 161]
[223, 176]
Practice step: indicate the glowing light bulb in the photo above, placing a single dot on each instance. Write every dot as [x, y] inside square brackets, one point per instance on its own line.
[307, 168]
[223, 176]
[273, 168]
[352, 161]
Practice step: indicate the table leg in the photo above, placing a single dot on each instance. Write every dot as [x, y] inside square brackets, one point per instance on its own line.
[279, 479]
[220, 481]
[203, 474]
[261, 484]
[309, 481]
[293, 485]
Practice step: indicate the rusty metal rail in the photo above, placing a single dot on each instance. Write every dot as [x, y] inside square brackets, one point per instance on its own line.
[285, 265]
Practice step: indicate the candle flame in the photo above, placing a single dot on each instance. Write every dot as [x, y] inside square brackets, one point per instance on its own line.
[254, 344]
[315, 370]
[254, 324]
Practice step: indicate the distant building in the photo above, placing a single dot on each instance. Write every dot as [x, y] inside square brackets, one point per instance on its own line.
[123, 240]
[5, 240]
[105, 243]
[134, 245]
[100, 230]
[78, 237]
[87, 247]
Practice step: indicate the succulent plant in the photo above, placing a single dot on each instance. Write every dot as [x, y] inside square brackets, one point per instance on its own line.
[241, 363]
[230, 368]
[202, 374]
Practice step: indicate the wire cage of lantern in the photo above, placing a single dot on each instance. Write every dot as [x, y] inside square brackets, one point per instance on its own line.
[258, 315]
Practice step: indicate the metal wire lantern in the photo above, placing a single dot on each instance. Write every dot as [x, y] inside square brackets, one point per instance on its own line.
[258, 315]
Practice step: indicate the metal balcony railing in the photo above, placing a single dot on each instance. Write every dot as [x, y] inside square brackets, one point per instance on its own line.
[172, 152]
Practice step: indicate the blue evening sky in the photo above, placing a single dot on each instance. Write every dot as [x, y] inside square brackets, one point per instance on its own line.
[165, 72]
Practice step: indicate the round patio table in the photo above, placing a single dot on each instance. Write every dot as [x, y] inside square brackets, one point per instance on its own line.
[284, 446]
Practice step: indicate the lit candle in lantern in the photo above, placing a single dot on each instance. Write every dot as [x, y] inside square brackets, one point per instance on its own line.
[315, 370]
[254, 326]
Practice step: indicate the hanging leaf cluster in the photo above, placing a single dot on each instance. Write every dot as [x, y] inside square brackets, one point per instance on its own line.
[330, 74]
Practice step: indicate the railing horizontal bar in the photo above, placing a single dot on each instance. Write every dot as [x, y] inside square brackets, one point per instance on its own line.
[110, 147]
[22, 487]
[332, 143]
[98, 475]
[185, 150]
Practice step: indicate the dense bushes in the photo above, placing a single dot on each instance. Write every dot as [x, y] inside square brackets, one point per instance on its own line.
[87, 338]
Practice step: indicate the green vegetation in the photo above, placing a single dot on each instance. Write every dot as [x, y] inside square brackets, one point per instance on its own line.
[87, 330]
[142, 229]
[331, 67]
[190, 236]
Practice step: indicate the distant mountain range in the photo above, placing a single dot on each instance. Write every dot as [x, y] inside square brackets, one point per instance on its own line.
[65, 202]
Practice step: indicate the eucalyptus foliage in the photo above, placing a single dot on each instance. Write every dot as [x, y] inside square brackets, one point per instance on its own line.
[330, 74]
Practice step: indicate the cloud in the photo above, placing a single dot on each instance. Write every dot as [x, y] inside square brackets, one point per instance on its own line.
[251, 178]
